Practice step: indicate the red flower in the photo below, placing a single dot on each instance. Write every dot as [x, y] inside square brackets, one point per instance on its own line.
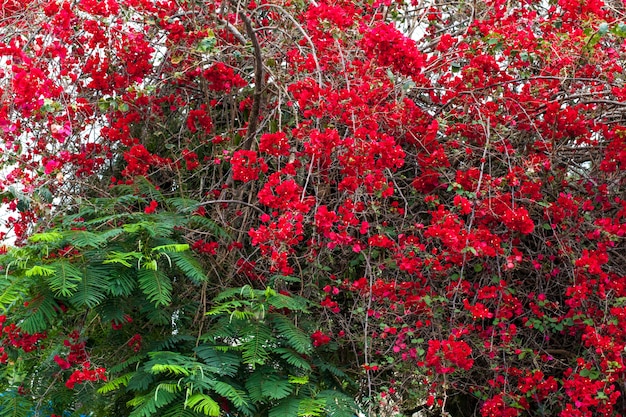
[319, 338]
[151, 208]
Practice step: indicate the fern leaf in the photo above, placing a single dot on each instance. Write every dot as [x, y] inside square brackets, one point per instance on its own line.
[12, 289]
[254, 349]
[237, 397]
[156, 286]
[39, 271]
[47, 237]
[173, 247]
[190, 266]
[286, 408]
[338, 404]
[123, 258]
[171, 387]
[225, 363]
[115, 384]
[65, 279]
[140, 381]
[160, 368]
[204, 404]
[126, 364]
[310, 407]
[147, 405]
[91, 289]
[295, 337]
[263, 386]
[204, 223]
[184, 204]
[293, 302]
[293, 358]
[13, 404]
[42, 311]
[121, 283]
[177, 410]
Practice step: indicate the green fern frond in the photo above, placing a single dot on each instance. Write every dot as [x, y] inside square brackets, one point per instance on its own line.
[13, 404]
[115, 384]
[91, 289]
[121, 282]
[237, 397]
[225, 363]
[190, 266]
[254, 351]
[132, 361]
[298, 380]
[310, 407]
[47, 237]
[12, 290]
[227, 308]
[42, 311]
[263, 386]
[65, 279]
[160, 368]
[338, 404]
[171, 387]
[293, 335]
[140, 381]
[204, 404]
[173, 247]
[177, 410]
[286, 408]
[246, 292]
[173, 342]
[204, 223]
[39, 271]
[156, 286]
[293, 302]
[147, 405]
[123, 258]
[293, 358]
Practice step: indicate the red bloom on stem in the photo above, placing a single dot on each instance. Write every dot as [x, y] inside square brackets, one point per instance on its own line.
[319, 338]
[151, 208]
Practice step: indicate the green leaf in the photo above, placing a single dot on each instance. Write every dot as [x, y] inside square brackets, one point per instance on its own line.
[294, 336]
[310, 407]
[12, 290]
[156, 286]
[287, 408]
[91, 289]
[115, 384]
[226, 363]
[65, 279]
[190, 266]
[237, 397]
[258, 338]
[47, 237]
[123, 258]
[204, 404]
[263, 386]
[174, 247]
[177, 370]
[147, 405]
[38, 270]
[293, 358]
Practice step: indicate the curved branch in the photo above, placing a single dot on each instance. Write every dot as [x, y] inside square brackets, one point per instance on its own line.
[253, 120]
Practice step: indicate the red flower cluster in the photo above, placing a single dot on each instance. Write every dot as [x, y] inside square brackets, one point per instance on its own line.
[85, 374]
[446, 356]
[319, 338]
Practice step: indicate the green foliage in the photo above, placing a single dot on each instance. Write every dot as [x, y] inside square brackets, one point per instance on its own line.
[108, 263]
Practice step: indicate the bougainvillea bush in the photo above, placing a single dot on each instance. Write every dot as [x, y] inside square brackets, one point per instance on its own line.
[313, 208]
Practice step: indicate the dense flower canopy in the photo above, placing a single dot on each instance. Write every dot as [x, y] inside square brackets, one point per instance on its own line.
[313, 207]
